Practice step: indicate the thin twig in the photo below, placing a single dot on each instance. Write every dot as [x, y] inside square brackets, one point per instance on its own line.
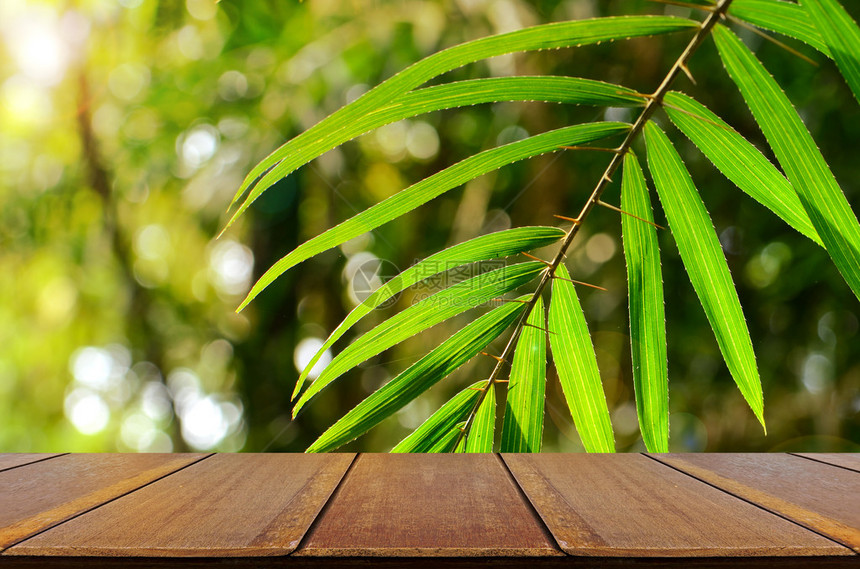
[542, 329]
[654, 102]
[580, 283]
[497, 358]
[770, 38]
[509, 300]
[700, 117]
[685, 5]
[598, 148]
[538, 259]
[689, 74]
[619, 210]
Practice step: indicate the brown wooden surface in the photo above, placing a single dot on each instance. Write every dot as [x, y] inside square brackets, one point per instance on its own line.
[630, 505]
[225, 506]
[423, 505]
[819, 496]
[15, 460]
[42, 494]
[380, 511]
[306, 562]
[849, 461]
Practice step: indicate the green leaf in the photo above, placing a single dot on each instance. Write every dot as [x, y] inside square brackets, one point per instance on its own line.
[480, 435]
[705, 263]
[577, 366]
[448, 439]
[842, 36]
[569, 90]
[446, 303]
[781, 17]
[426, 372]
[485, 247]
[522, 430]
[549, 89]
[798, 155]
[647, 317]
[439, 428]
[739, 161]
[547, 36]
[433, 186]
[461, 444]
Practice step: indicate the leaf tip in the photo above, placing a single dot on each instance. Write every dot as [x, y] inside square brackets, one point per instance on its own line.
[297, 388]
[244, 303]
[760, 417]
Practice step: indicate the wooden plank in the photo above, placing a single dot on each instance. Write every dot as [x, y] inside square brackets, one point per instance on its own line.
[849, 461]
[228, 505]
[632, 506]
[819, 496]
[296, 562]
[42, 494]
[446, 505]
[14, 460]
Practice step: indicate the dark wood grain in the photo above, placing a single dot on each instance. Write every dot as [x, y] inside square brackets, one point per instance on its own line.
[39, 495]
[630, 505]
[849, 461]
[14, 460]
[428, 505]
[225, 506]
[819, 496]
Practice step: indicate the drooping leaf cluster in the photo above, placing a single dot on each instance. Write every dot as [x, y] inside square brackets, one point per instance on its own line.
[801, 191]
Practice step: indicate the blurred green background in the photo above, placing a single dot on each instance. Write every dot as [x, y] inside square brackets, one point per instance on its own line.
[126, 127]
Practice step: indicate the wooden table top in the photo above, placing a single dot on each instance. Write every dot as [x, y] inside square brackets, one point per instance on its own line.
[377, 510]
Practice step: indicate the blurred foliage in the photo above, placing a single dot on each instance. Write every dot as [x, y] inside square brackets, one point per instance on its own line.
[127, 126]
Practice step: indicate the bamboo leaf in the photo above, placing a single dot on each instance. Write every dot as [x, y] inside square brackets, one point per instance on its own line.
[461, 445]
[522, 429]
[705, 263]
[438, 431]
[547, 36]
[448, 439]
[647, 316]
[480, 436]
[781, 17]
[798, 155]
[842, 36]
[577, 366]
[433, 186]
[548, 89]
[739, 161]
[446, 303]
[447, 357]
[568, 90]
[486, 247]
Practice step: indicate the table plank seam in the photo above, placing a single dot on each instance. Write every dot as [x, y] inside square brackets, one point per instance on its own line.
[757, 505]
[563, 498]
[843, 467]
[325, 507]
[530, 506]
[3, 551]
[34, 462]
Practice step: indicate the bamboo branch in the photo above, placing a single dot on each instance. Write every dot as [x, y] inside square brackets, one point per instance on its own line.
[654, 102]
